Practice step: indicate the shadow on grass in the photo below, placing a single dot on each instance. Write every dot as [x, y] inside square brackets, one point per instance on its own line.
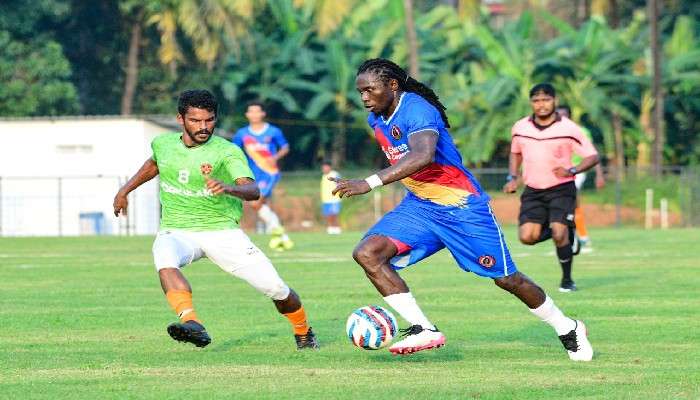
[441, 355]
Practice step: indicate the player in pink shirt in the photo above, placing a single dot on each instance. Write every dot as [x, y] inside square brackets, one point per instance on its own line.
[543, 144]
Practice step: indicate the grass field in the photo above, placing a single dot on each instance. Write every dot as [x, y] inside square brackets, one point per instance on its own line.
[85, 318]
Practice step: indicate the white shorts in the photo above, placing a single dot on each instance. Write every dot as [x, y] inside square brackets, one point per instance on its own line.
[230, 249]
[579, 180]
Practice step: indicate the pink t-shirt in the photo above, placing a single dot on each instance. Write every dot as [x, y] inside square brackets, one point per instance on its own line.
[543, 150]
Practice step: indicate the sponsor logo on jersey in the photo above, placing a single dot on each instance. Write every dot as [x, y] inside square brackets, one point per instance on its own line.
[185, 192]
[394, 153]
[487, 261]
[395, 132]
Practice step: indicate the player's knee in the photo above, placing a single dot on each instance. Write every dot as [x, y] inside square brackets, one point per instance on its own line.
[560, 238]
[278, 291]
[167, 267]
[528, 239]
[508, 283]
[367, 255]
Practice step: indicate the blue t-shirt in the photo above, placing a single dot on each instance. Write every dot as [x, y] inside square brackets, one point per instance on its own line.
[445, 181]
[259, 147]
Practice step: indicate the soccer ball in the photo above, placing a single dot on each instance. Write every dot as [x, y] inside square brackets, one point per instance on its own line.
[371, 327]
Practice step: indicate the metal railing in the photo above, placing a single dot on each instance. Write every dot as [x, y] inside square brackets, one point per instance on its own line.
[82, 205]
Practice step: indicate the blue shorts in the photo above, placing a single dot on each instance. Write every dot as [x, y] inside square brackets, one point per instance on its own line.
[330, 208]
[470, 233]
[266, 183]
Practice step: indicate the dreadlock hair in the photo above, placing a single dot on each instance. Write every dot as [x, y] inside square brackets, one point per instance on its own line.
[386, 70]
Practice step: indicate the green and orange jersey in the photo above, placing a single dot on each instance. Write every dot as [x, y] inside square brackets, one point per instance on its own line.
[186, 203]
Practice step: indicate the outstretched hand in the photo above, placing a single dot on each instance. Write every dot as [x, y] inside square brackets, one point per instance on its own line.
[349, 187]
[216, 187]
[120, 204]
[511, 186]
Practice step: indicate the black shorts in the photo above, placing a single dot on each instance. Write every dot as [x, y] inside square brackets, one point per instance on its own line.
[544, 206]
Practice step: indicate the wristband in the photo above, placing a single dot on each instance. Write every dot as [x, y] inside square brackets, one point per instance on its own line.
[573, 171]
[510, 177]
[374, 181]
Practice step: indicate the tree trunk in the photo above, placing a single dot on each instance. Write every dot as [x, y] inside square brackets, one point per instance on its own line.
[339, 144]
[132, 69]
[619, 166]
[619, 146]
[412, 39]
[614, 14]
[657, 120]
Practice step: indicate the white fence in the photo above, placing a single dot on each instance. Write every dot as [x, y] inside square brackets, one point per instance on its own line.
[73, 206]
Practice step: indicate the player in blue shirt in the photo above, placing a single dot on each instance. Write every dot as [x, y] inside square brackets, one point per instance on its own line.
[264, 145]
[444, 207]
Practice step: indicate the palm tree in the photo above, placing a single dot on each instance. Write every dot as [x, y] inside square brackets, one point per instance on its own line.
[657, 89]
[210, 25]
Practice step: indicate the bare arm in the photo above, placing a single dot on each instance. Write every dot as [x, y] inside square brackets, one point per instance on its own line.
[282, 152]
[245, 188]
[585, 164]
[148, 171]
[599, 176]
[514, 162]
[422, 153]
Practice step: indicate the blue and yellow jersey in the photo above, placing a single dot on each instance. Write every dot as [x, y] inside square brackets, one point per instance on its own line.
[445, 181]
[260, 147]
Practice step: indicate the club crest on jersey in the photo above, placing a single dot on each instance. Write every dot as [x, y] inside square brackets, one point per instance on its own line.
[395, 132]
[487, 261]
[206, 168]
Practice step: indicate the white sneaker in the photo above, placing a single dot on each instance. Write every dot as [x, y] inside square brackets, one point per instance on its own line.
[418, 338]
[576, 343]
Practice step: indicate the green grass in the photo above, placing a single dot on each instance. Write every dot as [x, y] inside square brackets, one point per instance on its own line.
[84, 318]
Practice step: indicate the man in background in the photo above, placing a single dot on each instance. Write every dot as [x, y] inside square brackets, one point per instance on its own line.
[264, 145]
[542, 144]
[330, 203]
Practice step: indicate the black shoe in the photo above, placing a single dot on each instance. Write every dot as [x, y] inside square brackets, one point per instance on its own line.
[307, 341]
[567, 286]
[190, 331]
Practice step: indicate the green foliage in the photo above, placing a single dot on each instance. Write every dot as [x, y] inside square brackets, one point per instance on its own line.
[35, 78]
[300, 56]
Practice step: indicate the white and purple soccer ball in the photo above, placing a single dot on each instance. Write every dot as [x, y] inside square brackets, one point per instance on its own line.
[371, 327]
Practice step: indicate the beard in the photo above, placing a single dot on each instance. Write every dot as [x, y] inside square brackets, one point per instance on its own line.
[194, 135]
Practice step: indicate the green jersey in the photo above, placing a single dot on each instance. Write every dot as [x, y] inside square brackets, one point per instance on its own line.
[186, 203]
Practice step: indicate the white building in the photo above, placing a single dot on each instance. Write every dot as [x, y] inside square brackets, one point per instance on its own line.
[58, 176]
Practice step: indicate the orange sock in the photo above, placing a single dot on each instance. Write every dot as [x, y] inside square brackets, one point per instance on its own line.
[580, 223]
[298, 321]
[181, 302]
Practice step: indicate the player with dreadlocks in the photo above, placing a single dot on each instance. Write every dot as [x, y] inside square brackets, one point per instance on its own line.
[444, 207]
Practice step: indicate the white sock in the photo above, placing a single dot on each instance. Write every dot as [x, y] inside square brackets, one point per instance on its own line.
[406, 306]
[269, 217]
[551, 314]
